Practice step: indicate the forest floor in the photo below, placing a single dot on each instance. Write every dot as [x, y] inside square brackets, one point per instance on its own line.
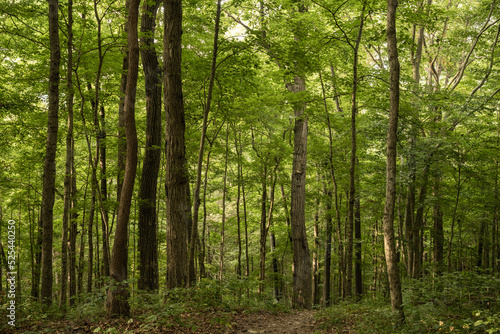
[190, 321]
[295, 322]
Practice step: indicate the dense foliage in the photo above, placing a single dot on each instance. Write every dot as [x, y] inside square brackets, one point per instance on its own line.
[448, 155]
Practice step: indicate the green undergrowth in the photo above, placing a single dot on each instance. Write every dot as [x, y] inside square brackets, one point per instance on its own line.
[220, 301]
[461, 302]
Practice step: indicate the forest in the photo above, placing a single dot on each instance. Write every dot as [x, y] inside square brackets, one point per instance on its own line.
[249, 166]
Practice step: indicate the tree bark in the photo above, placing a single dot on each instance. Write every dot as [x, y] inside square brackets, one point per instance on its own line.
[99, 123]
[438, 233]
[390, 191]
[272, 238]
[73, 232]
[481, 244]
[454, 216]
[328, 247]
[35, 284]
[238, 200]
[90, 231]
[49, 167]
[358, 274]
[352, 169]
[224, 201]
[247, 262]
[68, 200]
[117, 299]
[302, 279]
[329, 218]
[176, 173]
[104, 195]
[263, 238]
[81, 266]
[204, 225]
[342, 271]
[315, 258]
[148, 242]
[122, 142]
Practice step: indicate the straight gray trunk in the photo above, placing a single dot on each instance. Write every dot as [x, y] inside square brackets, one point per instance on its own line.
[390, 192]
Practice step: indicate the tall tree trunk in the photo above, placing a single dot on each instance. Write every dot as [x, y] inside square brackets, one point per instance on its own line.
[98, 283]
[104, 195]
[342, 272]
[480, 244]
[328, 247]
[122, 142]
[438, 233]
[375, 259]
[329, 227]
[82, 250]
[410, 238]
[196, 196]
[68, 199]
[99, 123]
[454, 217]
[302, 279]
[247, 262]
[204, 225]
[117, 299]
[352, 169]
[175, 156]
[390, 192]
[315, 258]
[148, 242]
[189, 222]
[224, 197]
[272, 238]
[90, 231]
[49, 167]
[262, 243]
[73, 231]
[19, 277]
[358, 274]
[418, 223]
[37, 250]
[238, 200]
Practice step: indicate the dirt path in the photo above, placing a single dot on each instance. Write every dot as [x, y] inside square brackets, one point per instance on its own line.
[295, 322]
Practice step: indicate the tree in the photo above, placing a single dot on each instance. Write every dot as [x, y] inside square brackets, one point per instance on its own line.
[148, 242]
[69, 189]
[353, 162]
[390, 192]
[49, 168]
[175, 156]
[302, 279]
[117, 298]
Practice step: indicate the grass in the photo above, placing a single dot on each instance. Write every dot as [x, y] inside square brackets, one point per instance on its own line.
[451, 303]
